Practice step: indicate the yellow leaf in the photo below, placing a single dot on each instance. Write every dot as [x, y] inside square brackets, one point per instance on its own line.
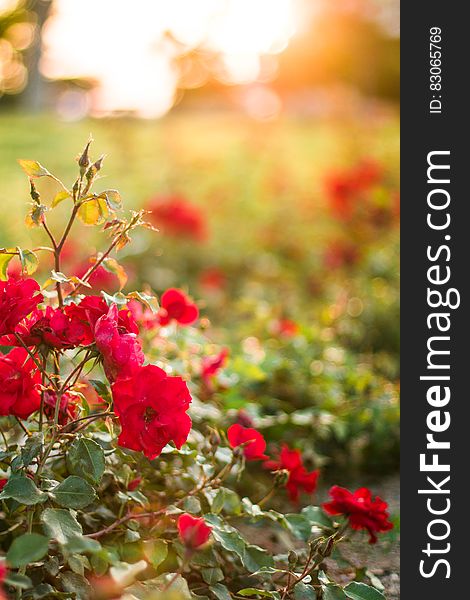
[93, 211]
[33, 168]
[112, 265]
[59, 197]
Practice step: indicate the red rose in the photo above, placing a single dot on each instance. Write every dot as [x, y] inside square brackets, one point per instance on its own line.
[175, 305]
[90, 309]
[19, 384]
[299, 478]
[193, 532]
[211, 365]
[255, 444]
[177, 217]
[362, 511]
[51, 327]
[68, 410]
[121, 349]
[18, 297]
[3, 483]
[152, 410]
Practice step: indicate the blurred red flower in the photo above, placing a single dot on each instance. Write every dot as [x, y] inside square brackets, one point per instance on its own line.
[285, 328]
[3, 483]
[211, 365]
[341, 253]
[175, 305]
[213, 278]
[152, 410]
[255, 444]
[19, 384]
[143, 315]
[101, 279]
[118, 344]
[299, 478]
[177, 217]
[344, 187]
[134, 484]
[193, 531]
[363, 512]
[18, 297]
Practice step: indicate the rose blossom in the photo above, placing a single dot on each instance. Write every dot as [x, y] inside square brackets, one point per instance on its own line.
[362, 511]
[194, 532]
[299, 478]
[121, 349]
[19, 384]
[18, 297]
[254, 442]
[152, 410]
[175, 305]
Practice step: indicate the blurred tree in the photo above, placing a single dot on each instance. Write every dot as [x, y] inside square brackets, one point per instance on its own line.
[21, 24]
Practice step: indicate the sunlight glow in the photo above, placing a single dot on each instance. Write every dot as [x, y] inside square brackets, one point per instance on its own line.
[130, 50]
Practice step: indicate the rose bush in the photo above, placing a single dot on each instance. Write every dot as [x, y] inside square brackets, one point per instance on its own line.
[123, 475]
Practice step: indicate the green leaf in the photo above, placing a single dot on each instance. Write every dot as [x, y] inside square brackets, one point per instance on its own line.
[79, 544]
[22, 582]
[102, 389]
[219, 501]
[212, 575]
[61, 525]
[156, 552]
[26, 549]
[33, 169]
[76, 584]
[32, 447]
[361, 591]
[333, 592]
[73, 492]
[299, 525]
[192, 505]
[29, 261]
[302, 591]
[23, 490]
[255, 558]
[317, 517]
[221, 592]
[86, 459]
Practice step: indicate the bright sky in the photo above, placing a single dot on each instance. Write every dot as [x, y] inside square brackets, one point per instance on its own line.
[123, 44]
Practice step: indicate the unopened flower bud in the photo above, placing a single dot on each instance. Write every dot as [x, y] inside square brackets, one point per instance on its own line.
[238, 452]
[84, 160]
[292, 558]
[34, 193]
[281, 478]
[214, 439]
